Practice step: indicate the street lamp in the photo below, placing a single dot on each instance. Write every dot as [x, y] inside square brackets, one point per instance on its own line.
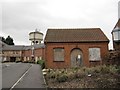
[116, 38]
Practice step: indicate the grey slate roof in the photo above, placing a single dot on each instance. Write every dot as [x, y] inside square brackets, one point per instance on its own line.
[2, 43]
[12, 47]
[36, 46]
[22, 47]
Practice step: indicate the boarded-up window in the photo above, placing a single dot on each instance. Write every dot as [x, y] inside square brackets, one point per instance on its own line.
[94, 54]
[58, 54]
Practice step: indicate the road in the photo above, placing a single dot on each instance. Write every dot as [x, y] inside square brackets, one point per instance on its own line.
[22, 75]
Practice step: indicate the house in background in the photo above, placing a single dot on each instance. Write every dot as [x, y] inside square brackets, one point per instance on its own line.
[12, 53]
[34, 53]
[116, 32]
[116, 36]
[75, 47]
[2, 44]
[113, 56]
[31, 53]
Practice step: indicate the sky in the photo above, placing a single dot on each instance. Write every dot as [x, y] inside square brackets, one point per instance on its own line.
[19, 17]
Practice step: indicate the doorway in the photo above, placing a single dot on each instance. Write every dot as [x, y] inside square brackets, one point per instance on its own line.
[76, 57]
[12, 59]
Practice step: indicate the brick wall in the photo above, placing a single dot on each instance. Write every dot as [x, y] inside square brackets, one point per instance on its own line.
[12, 53]
[50, 63]
[38, 53]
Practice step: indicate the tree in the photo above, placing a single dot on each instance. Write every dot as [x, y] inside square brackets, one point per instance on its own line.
[3, 39]
[9, 41]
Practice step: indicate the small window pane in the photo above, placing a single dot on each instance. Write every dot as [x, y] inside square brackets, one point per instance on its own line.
[115, 34]
[58, 54]
[36, 42]
[94, 54]
[118, 35]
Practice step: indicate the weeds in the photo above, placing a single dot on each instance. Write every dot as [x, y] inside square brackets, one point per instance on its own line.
[101, 76]
[62, 78]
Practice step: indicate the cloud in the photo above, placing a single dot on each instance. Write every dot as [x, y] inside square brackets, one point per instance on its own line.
[19, 17]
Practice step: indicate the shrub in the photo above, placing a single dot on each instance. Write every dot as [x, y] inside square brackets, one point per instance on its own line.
[118, 70]
[52, 75]
[59, 75]
[70, 75]
[105, 69]
[42, 63]
[113, 69]
[62, 78]
[112, 58]
[97, 69]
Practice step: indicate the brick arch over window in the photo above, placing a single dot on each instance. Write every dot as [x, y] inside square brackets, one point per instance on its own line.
[76, 57]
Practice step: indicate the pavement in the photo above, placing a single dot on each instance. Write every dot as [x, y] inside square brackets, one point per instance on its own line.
[22, 75]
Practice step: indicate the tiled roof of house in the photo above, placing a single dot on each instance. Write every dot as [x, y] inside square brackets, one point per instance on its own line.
[117, 24]
[117, 27]
[75, 35]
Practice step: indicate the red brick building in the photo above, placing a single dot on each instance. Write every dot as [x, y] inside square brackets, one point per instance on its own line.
[22, 53]
[75, 47]
[116, 36]
[31, 53]
[37, 54]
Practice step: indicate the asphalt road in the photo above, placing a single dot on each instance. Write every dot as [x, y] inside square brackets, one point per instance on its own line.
[22, 75]
[33, 79]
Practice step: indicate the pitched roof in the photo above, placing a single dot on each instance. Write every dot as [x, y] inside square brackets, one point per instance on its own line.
[22, 47]
[117, 24]
[75, 35]
[36, 46]
[2, 43]
[13, 47]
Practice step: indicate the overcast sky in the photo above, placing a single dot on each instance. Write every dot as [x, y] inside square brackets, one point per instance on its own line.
[20, 17]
